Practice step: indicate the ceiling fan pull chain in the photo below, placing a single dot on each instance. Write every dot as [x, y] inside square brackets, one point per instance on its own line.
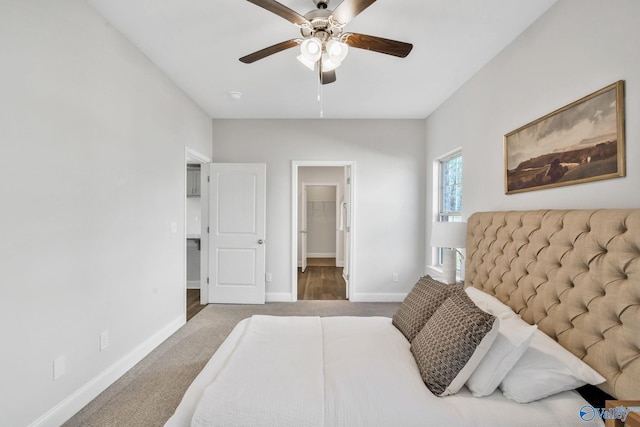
[320, 89]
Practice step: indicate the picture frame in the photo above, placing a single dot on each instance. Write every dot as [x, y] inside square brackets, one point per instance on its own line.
[580, 142]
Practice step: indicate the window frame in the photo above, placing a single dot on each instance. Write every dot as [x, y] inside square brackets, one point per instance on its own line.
[441, 215]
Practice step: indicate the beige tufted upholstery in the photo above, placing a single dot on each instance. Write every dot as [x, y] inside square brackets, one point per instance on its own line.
[574, 273]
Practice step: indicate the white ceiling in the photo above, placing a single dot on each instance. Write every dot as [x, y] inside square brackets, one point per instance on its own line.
[197, 44]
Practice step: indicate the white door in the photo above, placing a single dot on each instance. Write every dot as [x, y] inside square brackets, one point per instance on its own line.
[303, 228]
[237, 216]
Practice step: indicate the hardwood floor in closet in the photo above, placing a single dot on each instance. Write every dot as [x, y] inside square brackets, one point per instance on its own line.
[322, 280]
[193, 303]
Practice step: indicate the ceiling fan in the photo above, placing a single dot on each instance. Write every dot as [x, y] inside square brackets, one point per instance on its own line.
[324, 45]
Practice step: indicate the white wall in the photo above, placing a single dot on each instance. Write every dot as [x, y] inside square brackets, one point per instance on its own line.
[576, 48]
[91, 176]
[390, 185]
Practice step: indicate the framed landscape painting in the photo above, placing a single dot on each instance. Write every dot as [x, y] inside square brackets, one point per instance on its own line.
[581, 142]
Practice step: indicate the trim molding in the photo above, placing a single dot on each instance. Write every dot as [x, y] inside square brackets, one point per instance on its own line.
[278, 297]
[321, 255]
[368, 297]
[193, 284]
[77, 400]
[339, 263]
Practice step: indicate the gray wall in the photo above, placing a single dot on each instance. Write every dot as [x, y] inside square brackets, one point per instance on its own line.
[576, 48]
[321, 221]
[92, 175]
[390, 189]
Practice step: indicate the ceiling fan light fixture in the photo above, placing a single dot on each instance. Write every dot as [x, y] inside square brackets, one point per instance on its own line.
[311, 48]
[337, 51]
[309, 64]
[328, 64]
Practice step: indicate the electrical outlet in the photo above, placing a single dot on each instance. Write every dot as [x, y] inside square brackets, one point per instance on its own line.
[104, 340]
[174, 227]
[267, 277]
[394, 277]
[59, 367]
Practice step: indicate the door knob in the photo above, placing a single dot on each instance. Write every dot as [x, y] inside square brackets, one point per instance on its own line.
[260, 241]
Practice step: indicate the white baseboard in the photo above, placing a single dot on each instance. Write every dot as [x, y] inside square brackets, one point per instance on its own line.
[321, 255]
[366, 297]
[193, 284]
[64, 410]
[339, 263]
[278, 297]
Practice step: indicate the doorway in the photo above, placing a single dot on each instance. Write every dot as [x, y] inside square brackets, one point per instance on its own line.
[322, 229]
[320, 275]
[196, 249]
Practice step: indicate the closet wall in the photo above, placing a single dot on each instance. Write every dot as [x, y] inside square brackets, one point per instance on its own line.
[321, 221]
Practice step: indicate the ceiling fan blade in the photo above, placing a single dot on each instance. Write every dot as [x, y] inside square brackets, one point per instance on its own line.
[281, 10]
[263, 53]
[349, 9]
[328, 77]
[377, 44]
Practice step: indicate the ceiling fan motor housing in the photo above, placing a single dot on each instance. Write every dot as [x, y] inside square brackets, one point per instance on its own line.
[321, 4]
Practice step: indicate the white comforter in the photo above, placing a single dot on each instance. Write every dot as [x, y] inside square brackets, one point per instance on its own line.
[341, 371]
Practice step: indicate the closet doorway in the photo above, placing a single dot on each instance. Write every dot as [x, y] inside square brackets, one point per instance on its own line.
[195, 249]
[320, 276]
[322, 242]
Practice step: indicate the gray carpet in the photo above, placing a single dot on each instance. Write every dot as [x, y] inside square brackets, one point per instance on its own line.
[149, 393]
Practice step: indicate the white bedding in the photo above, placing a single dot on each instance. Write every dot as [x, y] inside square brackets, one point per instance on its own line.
[341, 371]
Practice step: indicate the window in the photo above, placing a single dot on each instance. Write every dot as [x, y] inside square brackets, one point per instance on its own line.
[449, 192]
[450, 188]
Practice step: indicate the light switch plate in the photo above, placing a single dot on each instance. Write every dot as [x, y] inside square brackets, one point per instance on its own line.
[104, 340]
[59, 367]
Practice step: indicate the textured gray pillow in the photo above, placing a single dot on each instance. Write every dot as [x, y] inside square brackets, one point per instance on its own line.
[420, 304]
[452, 344]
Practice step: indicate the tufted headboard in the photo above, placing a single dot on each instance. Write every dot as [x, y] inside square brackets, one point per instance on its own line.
[574, 273]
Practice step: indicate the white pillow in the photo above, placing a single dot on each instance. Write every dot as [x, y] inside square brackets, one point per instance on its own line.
[546, 368]
[514, 336]
[489, 303]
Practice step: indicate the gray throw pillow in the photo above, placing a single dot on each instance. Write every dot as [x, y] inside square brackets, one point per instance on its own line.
[420, 304]
[452, 343]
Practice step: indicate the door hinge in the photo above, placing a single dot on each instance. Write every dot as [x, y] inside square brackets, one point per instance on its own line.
[348, 229]
[208, 179]
[207, 280]
[208, 230]
[347, 277]
[348, 180]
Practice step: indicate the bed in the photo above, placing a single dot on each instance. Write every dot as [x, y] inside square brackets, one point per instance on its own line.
[570, 277]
